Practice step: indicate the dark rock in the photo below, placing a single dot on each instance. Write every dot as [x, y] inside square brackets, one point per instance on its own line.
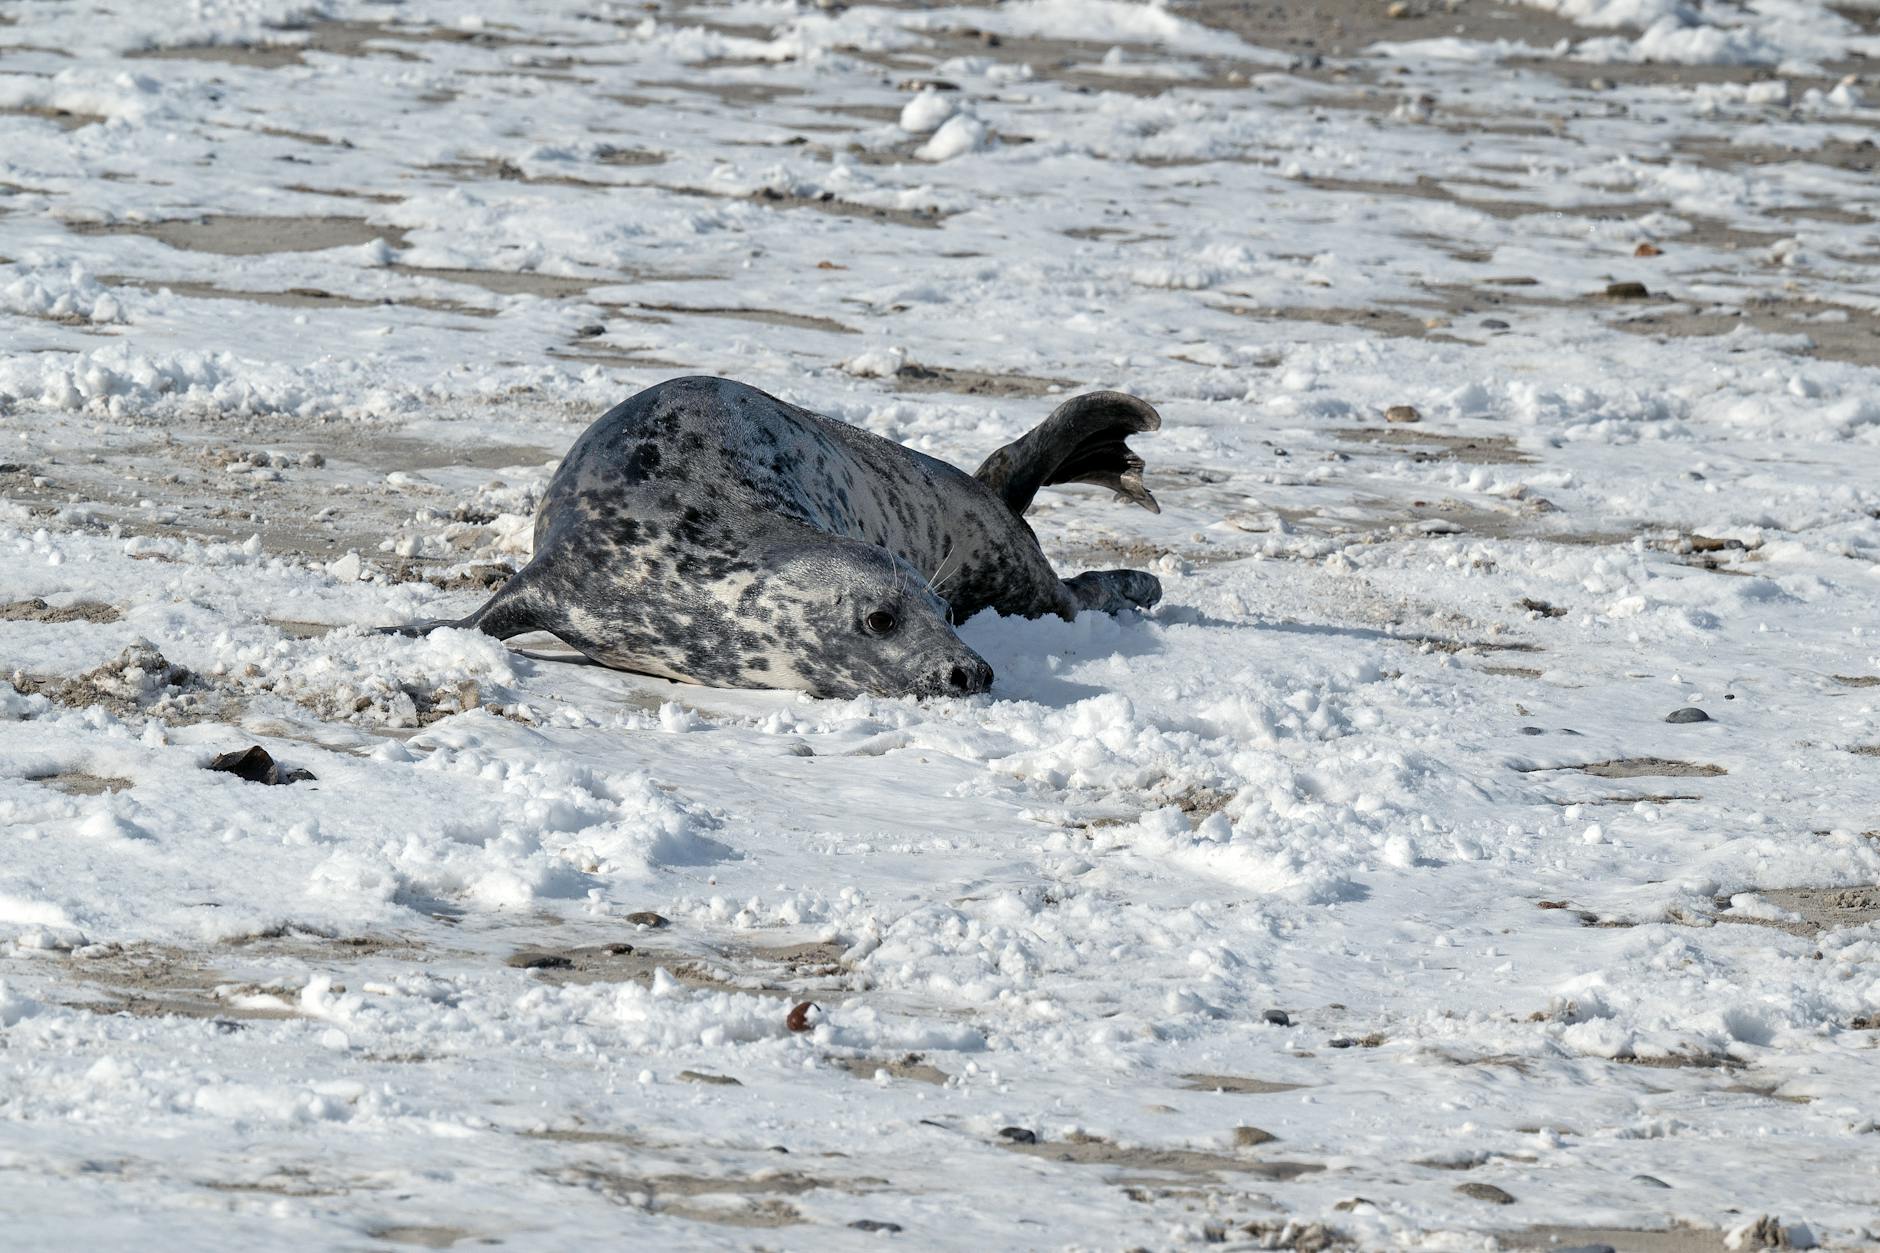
[1341, 1042]
[1019, 1135]
[589, 331]
[1485, 1192]
[1494, 324]
[1277, 1017]
[1534, 730]
[254, 765]
[874, 1224]
[1252, 1137]
[1540, 607]
[1690, 713]
[699, 1076]
[647, 918]
[1627, 291]
[1650, 1181]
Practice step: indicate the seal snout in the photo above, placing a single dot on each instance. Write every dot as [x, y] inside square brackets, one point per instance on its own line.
[961, 678]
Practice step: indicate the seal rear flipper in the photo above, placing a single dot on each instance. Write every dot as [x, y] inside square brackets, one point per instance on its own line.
[1112, 591]
[1081, 442]
[511, 611]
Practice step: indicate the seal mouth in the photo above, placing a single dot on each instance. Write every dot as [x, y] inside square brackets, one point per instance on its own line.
[968, 677]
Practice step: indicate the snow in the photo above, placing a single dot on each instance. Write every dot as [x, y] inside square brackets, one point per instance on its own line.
[300, 307]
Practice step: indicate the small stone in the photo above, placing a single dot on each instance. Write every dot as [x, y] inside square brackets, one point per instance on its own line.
[874, 1224]
[647, 918]
[990, 39]
[1540, 607]
[1627, 291]
[1690, 713]
[1534, 730]
[1398, 10]
[699, 1076]
[1552, 904]
[1402, 413]
[1648, 250]
[1650, 1181]
[589, 331]
[1485, 1192]
[1494, 324]
[1019, 1135]
[1252, 1137]
[1341, 1042]
[254, 765]
[1584, 1248]
[1278, 1017]
[798, 1018]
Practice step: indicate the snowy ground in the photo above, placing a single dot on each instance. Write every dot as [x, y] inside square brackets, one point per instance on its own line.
[299, 304]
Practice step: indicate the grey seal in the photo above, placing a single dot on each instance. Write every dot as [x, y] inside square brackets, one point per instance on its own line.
[707, 532]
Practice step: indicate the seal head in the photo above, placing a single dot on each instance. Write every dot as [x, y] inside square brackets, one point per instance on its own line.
[845, 618]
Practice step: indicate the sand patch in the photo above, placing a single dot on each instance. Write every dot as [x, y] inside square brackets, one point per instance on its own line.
[37, 610]
[1095, 1151]
[244, 235]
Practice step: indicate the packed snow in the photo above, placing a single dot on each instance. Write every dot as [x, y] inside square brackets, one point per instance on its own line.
[1479, 847]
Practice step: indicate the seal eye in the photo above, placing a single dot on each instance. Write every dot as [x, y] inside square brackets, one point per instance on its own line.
[880, 622]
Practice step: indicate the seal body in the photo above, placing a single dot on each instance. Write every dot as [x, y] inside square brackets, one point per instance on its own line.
[707, 532]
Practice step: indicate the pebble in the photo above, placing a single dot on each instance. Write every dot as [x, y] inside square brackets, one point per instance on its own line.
[1494, 324]
[1648, 250]
[1650, 1181]
[1627, 291]
[1485, 1192]
[1690, 713]
[1534, 730]
[647, 918]
[1019, 1135]
[1277, 1017]
[874, 1224]
[1252, 1137]
[1341, 1042]
[1402, 413]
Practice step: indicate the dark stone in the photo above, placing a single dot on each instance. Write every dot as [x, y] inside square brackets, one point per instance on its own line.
[1019, 1135]
[874, 1224]
[647, 918]
[1277, 1017]
[1690, 713]
[1650, 1181]
[1534, 730]
[1494, 324]
[1485, 1192]
[254, 765]
[1341, 1042]
[1627, 291]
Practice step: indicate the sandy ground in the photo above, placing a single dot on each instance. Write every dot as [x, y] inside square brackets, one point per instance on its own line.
[374, 504]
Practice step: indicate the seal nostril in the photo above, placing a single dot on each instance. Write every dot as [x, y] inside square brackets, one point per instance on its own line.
[957, 679]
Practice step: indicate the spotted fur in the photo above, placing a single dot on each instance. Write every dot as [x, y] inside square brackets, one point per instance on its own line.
[707, 532]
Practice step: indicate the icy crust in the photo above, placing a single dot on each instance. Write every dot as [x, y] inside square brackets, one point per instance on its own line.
[1376, 838]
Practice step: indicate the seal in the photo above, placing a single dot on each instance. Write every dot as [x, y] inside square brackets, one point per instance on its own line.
[707, 532]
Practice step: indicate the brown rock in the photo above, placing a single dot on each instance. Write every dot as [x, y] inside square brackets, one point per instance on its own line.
[1252, 1137]
[1485, 1192]
[1627, 291]
[798, 1019]
[1402, 413]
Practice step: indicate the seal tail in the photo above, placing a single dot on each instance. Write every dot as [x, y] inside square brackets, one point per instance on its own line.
[513, 610]
[1081, 442]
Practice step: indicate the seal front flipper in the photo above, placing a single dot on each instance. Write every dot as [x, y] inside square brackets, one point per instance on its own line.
[1081, 442]
[513, 610]
[1111, 591]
